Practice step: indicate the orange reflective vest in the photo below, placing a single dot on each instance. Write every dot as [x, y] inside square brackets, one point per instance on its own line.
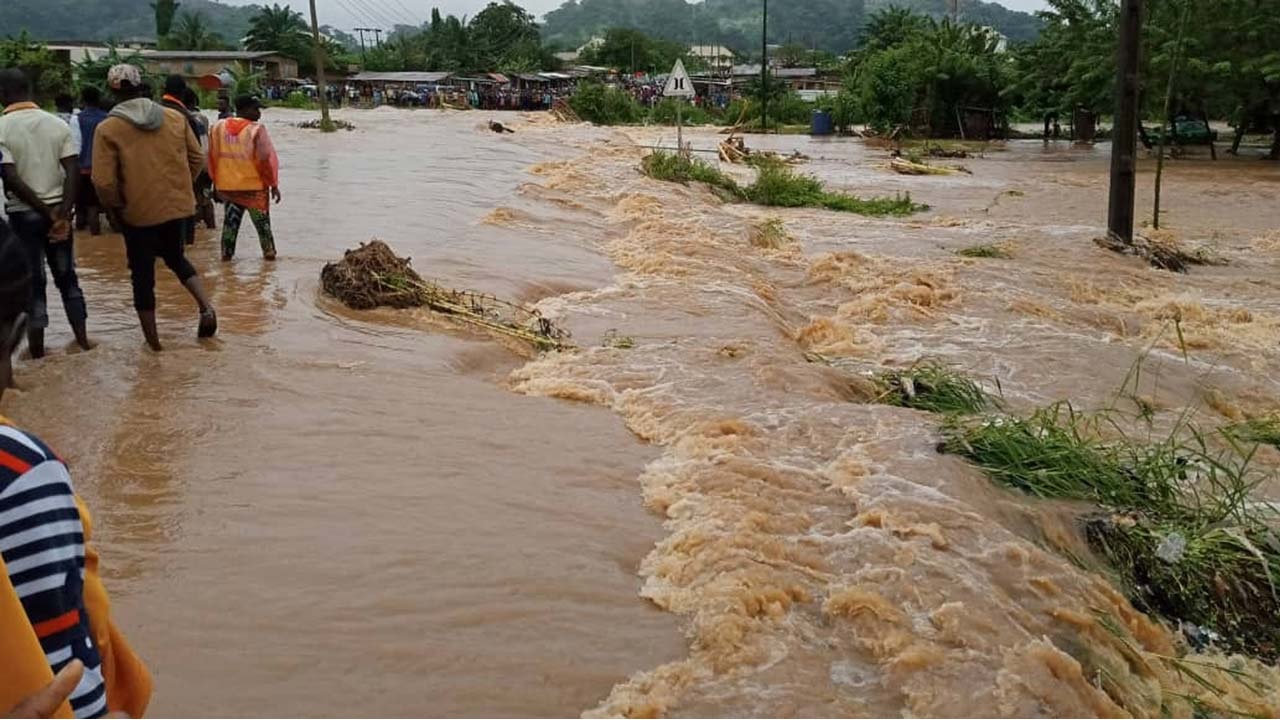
[234, 161]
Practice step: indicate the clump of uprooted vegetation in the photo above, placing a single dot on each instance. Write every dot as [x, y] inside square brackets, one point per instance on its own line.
[776, 185]
[1177, 518]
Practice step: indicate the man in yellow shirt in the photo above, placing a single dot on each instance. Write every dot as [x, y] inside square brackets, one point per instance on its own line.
[40, 167]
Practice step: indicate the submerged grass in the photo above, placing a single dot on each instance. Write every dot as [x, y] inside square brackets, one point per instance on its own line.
[776, 185]
[1178, 522]
[674, 167]
[780, 186]
[1263, 431]
[770, 235]
[985, 250]
[933, 387]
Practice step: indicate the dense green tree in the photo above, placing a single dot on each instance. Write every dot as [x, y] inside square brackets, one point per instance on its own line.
[631, 50]
[926, 72]
[279, 29]
[106, 20]
[192, 32]
[48, 76]
[165, 11]
[831, 25]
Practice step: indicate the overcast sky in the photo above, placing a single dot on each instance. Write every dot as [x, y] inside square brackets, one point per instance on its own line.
[346, 14]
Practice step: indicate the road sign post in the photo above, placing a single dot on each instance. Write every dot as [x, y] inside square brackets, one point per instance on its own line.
[679, 85]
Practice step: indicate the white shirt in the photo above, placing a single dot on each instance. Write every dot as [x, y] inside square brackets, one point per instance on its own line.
[35, 143]
[72, 120]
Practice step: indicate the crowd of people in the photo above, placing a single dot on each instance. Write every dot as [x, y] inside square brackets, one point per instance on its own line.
[148, 166]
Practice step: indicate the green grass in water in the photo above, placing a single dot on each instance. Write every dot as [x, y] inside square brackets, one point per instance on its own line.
[933, 387]
[1263, 431]
[673, 167]
[780, 186]
[985, 250]
[776, 185]
[1177, 519]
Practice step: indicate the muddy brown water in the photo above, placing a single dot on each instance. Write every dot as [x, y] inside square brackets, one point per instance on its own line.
[335, 513]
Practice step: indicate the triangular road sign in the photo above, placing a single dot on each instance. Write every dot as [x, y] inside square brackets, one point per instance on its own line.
[679, 84]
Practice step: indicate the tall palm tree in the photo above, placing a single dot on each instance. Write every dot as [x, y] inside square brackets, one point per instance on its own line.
[165, 11]
[192, 33]
[280, 29]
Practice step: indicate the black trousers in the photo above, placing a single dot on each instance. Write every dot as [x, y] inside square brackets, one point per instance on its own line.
[143, 245]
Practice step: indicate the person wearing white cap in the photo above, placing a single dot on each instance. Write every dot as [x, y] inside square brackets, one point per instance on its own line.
[145, 158]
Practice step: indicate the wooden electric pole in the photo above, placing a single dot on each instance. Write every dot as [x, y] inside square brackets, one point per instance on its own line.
[322, 88]
[1124, 140]
[764, 70]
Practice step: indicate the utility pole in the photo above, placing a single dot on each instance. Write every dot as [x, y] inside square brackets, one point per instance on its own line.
[362, 31]
[322, 89]
[764, 70]
[377, 33]
[1124, 140]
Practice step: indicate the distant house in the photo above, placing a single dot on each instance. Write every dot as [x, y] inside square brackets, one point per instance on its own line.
[199, 63]
[718, 57]
[76, 51]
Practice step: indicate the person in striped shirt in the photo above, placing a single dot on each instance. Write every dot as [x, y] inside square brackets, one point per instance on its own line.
[53, 608]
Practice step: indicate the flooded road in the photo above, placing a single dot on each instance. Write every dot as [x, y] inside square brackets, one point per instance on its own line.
[332, 513]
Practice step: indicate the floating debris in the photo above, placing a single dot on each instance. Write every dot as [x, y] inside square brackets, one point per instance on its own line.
[903, 166]
[733, 149]
[373, 276]
[1162, 250]
[315, 125]
[564, 112]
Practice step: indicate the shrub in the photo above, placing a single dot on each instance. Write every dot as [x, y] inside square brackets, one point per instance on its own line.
[603, 105]
[664, 113]
[298, 100]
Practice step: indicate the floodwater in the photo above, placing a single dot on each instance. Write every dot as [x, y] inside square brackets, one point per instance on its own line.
[335, 513]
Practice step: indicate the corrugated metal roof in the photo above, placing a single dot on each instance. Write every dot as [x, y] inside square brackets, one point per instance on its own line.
[749, 70]
[205, 54]
[402, 77]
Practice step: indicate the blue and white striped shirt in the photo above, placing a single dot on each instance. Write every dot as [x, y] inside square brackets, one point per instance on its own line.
[42, 542]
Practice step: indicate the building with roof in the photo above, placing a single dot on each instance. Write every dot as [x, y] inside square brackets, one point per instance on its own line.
[717, 57]
[200, 63]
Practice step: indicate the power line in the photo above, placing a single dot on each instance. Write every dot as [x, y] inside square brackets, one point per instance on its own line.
[396, 17]
[408, 13]
[378, 17]
[357, 17]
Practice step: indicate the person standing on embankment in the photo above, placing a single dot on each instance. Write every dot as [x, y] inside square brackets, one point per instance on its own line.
[145, 159]
[246, 175]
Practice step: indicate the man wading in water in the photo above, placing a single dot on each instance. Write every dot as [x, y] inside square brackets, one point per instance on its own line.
[244, 168]
[41, 168]
[145, 158]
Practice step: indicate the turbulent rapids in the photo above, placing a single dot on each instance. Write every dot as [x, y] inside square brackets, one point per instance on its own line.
[725, 500]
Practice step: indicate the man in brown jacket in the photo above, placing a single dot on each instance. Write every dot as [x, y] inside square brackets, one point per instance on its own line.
[145, 158]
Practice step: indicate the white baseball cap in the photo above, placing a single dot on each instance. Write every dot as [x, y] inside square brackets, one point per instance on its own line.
[118, 75]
